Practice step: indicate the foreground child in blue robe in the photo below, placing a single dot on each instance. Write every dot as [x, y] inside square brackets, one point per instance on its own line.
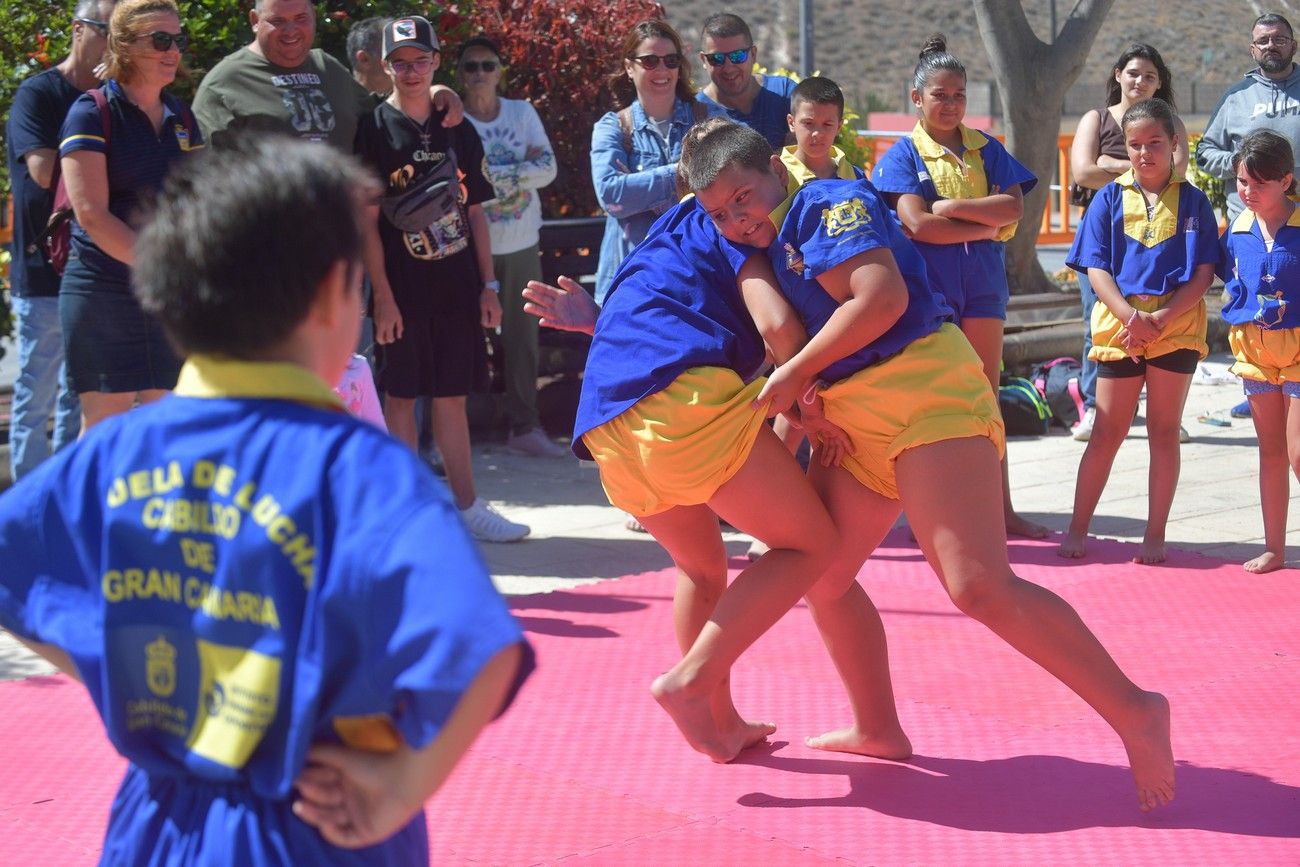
[274, 606]
[910, 393]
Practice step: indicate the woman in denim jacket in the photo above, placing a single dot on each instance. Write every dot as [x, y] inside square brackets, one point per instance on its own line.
[634, 149]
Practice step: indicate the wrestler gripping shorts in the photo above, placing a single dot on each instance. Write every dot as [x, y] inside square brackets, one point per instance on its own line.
[677, 446]
[933, 390]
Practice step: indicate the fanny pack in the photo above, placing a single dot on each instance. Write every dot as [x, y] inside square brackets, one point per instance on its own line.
[426, 199]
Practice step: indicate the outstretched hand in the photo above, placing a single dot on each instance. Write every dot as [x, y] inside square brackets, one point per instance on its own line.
[566, 307]
[352, 796]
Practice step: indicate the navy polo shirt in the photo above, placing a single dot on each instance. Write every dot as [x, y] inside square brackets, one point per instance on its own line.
[35, 119]
[138, 161]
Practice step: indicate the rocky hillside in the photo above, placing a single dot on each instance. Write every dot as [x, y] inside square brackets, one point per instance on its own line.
[870, 47]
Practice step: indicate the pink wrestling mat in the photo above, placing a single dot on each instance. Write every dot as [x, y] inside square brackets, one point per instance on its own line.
[1010, 769]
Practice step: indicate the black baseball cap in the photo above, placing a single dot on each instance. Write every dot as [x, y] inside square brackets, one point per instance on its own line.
[412, 31]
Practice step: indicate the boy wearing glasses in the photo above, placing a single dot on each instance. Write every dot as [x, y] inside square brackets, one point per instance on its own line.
[1267, 98]
[429, 257]
[760, 102]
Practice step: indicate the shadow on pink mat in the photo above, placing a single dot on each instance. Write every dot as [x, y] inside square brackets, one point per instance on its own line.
[1038, 794]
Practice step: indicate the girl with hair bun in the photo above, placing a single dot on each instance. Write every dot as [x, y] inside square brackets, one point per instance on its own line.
[960, 196]
[1261, 267]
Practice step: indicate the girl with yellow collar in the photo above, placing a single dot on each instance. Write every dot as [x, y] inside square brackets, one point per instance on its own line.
[1261, 267]
[1149, 244]
[960, 196]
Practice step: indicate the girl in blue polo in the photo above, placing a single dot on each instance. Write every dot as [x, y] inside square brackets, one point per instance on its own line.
[1261, 268]
[1149, 243]
[960, 196]
[909, 392]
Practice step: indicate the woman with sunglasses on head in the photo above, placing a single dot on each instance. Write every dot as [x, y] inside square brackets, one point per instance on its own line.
[117, 145]
[634, 149]
[518, 160]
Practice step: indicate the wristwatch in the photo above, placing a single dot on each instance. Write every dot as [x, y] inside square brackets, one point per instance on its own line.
[494, 285]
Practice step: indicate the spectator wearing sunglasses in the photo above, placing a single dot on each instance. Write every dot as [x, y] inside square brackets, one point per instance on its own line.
[519, 160]
[114, 160]
[760, 102]
[32, 150]
[634, 149]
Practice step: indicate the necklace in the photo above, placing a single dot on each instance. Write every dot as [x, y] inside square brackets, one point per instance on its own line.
[421, 129]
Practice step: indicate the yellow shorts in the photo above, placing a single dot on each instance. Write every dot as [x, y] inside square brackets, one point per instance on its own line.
[1266, 355]
[1185, 332]
[933, 390]
[677, 446]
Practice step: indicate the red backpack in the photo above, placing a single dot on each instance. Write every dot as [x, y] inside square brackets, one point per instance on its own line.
[57, 237]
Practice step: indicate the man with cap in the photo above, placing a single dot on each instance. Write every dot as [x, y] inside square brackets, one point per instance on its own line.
[429, 257]
[280, 83]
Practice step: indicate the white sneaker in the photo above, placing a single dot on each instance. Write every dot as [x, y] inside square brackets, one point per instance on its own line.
[488, 525]
[1082, 429]
[537, 444]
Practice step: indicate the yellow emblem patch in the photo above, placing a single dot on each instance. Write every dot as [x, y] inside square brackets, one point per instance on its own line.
[160, 667]
[845, 216]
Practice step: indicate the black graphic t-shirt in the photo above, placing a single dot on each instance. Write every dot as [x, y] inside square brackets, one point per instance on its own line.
[440, 257]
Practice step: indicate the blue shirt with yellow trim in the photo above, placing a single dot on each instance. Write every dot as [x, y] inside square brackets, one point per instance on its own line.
[1147, 253]
[673, 305]
[234, 581]
[824, 225]
[138, 160]
[1263, 285]
[922, 167]
[799, 174]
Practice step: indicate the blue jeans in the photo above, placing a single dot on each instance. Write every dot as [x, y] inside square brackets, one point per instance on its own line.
[1088, 377]
[41, 387]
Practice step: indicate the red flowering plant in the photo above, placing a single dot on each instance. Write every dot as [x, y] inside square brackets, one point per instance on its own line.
[557, 54]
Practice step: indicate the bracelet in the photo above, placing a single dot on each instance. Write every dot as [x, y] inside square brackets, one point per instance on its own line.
[1132, 319]
[494, 285]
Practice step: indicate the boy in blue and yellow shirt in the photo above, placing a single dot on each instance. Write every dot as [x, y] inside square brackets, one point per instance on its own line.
[249, 610]
[910, 392]
[816, 115]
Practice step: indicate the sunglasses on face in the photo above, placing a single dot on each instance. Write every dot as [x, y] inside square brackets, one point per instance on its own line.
[473, 66]
[163, 41]
[419, 67]
[651, 61]
[737, 57]
[101, 26]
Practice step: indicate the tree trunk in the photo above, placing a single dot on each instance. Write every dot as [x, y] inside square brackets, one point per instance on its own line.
[1033, 77]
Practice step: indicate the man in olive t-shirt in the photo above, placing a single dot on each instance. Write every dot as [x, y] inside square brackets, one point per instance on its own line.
[280, 83]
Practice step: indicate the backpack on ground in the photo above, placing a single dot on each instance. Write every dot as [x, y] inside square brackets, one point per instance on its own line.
[1058, 382]
[1024, 411]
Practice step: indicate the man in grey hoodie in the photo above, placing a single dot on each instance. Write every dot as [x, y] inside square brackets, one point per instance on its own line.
[1267, 98]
